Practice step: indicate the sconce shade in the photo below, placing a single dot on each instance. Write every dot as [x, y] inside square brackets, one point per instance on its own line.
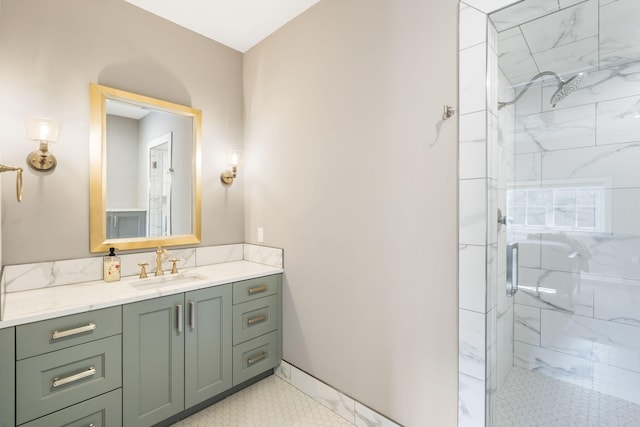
[234, 157]
[44, 131]
[41, 129]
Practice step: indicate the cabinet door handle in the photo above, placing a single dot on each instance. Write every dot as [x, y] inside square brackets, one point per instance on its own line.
[258, 289]
[91, 425]
[179, 311]
[57, 382]
[255, 359]
[61, 334]
[258, 319]
[192, 314]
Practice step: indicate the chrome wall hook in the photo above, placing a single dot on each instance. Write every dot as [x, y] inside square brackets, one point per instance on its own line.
[448, 112]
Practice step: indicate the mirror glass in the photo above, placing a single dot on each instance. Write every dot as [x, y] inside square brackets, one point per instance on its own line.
[145, 171]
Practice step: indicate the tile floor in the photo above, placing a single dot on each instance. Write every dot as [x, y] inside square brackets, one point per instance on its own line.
[531, 399]
[269, 403]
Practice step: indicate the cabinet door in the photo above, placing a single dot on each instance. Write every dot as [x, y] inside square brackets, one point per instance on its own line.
[153, 360]
[7, 377]
[208, 346]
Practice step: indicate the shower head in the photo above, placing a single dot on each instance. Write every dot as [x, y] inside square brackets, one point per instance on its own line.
[565, 87]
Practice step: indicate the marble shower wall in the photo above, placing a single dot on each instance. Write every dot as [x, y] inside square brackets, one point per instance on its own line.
[486, 159]
[575, 209]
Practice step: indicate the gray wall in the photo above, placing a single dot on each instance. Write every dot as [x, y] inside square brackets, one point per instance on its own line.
[123, 164]
[50, 51]
[343, 171]
[342, 168]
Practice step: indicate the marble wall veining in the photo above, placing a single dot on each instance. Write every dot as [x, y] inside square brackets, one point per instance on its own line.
[473, 247]
[574, 209]
[343, 405]
[486, 163]
[23, 277]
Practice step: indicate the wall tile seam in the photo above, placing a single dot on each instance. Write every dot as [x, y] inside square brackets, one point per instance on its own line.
[472, 7]
[569, 355]
[484, 313]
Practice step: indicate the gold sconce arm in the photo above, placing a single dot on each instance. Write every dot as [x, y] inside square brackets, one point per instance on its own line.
[5, 168]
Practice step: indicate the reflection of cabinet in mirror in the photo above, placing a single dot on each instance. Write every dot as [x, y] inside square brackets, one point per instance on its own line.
[145, 157]
[126, 223]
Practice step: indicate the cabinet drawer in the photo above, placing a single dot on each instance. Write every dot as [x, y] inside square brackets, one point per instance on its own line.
[254, 318]
[101, 411]
[255, 288]
[38, 338]
[254, 357]
[62, 378]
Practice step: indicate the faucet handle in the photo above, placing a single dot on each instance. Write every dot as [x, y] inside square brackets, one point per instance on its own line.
[174, 269]
[143, 270]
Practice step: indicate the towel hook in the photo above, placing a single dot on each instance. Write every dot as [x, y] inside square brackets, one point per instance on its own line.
[5, 168]
[448, 112]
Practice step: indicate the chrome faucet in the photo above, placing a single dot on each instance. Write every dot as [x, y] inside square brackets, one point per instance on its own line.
[160, 253]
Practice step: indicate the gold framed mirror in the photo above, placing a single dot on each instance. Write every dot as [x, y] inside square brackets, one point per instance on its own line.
[145, 159]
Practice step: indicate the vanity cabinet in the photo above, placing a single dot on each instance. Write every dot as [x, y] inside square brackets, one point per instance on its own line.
[141, 363]
[257, 321]
[7, 377]
[177, 353]
[66, 366]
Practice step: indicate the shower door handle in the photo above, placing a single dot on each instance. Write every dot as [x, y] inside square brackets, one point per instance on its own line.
[512, 269]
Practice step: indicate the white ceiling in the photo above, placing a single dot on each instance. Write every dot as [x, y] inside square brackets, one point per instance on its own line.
[239, 24]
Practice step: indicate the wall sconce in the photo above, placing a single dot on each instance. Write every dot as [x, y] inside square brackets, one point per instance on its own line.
[233, 159]
[44, 131]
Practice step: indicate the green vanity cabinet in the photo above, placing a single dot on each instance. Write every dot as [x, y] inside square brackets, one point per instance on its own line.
[208, 351]
[257, 326]
[7, 377]
[176, 353]
[152, 360]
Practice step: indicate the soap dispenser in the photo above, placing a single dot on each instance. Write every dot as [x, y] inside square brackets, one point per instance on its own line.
[111, 266]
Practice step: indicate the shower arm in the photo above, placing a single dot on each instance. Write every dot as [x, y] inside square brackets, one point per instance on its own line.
[528, 85]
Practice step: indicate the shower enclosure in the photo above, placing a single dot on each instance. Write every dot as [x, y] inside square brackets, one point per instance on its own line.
[550, 180]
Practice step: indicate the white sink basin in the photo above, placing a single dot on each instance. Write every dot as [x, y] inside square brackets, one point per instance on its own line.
[168, 280]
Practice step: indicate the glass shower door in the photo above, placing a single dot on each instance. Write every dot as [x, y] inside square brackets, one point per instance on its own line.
[568, 342]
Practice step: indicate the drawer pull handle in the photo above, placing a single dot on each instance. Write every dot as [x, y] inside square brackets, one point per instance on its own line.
[256, 359]
[92, 425]
[257, 319]
[57, 382]
[258, 289]
[61, 334]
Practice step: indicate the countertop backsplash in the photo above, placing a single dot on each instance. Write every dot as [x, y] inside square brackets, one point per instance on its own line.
[23, 277]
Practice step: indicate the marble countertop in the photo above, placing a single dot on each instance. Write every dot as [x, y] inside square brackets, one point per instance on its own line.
[41, 304]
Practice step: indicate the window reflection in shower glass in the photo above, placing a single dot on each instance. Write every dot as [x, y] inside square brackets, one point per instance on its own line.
[569, 208]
